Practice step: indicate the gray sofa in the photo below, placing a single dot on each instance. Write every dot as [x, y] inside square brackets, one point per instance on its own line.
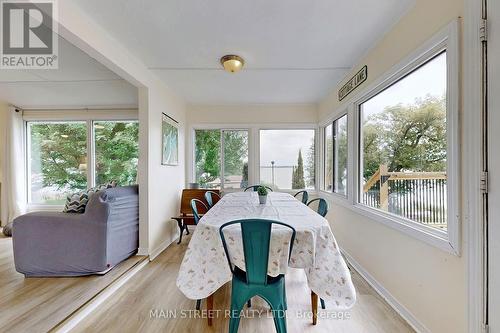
[66, 244]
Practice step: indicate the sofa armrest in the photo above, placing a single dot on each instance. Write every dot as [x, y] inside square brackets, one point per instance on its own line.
[123, 222]
[51, 244]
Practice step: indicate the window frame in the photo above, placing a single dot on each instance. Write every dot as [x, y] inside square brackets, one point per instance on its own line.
[253, 148]
[447, 39]
[316, 155]
[71, 115]
[331, 121]
[221, 130]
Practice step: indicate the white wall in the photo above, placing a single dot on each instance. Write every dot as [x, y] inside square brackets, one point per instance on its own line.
[428, 282]
[159, 186]
[3, 114]
[252, 117]
[165, 182]
[252, 114]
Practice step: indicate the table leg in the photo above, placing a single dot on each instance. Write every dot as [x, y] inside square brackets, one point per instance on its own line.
[210, 308]
[314, 304]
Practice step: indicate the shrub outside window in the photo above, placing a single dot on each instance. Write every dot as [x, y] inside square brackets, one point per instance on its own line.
[59, 159]
[211, 161]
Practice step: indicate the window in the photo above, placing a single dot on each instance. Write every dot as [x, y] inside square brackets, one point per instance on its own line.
[59, 158]
[336, 156]
[287, 158]
[403, 136]
[211, 161]
[116, 151]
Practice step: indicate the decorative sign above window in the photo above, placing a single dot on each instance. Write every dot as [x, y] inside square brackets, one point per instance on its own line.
[353, 83]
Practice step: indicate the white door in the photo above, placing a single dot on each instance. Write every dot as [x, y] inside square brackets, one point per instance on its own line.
[494, 165]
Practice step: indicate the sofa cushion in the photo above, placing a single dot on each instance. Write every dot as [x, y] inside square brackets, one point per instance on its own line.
[77, 202]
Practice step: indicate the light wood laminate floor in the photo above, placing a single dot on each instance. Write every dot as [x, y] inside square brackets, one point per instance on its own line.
[154, 289]
[39, 304]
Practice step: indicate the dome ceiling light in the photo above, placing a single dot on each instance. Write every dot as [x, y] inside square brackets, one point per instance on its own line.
[232, 63]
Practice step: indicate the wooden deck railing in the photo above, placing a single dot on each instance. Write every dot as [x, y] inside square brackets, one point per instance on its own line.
[419, 196]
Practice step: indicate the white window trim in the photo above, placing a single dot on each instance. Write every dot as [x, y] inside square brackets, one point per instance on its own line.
[449, 241]
[221, 129]
[253, 148]
[341, 197]
[89, 116]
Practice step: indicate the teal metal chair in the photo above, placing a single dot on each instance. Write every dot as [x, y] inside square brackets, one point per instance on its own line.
[209, 197]
[254, 281]
[303, 198]
[322, 206]
[194, 207]
[255, 187]
[321, 210]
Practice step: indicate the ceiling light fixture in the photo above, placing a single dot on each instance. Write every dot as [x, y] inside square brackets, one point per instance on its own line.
[232, 63]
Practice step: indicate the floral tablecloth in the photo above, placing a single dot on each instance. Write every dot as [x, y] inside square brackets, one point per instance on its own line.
[204, 268]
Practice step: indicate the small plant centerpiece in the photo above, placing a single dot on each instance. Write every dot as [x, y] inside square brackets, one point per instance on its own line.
[262, 192]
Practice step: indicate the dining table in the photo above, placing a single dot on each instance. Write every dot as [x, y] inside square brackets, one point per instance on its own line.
[204, 268]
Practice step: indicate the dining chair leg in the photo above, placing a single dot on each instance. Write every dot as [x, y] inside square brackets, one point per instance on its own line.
[237, 304]
[314, 304]
[285, 304]
[198, 304]
[181, 229]
[322, 303]
[249, 303]
[210, 308]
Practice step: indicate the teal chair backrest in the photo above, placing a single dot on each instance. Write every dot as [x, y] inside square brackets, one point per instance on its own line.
[194, 207]
[209, 196]
[322, 206]
[256, 235]
[304, 198]
[255, 187]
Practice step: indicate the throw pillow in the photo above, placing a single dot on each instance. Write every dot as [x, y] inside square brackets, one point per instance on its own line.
[7, 230]
[77, 202]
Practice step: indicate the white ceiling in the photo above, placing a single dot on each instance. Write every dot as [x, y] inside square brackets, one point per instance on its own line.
[296, 51]
[80, 81]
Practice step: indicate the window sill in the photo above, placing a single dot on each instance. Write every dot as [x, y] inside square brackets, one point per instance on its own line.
[44, 208]
[425, 234]
[336, 197]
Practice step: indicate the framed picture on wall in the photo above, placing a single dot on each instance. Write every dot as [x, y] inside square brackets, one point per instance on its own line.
[170, 140]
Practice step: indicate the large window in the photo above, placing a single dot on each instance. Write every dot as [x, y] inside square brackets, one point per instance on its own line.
[59, 157]
[287, 158]
[403, 136]
[336, 156]
[57, 160]
[212, 161]
[116, 151]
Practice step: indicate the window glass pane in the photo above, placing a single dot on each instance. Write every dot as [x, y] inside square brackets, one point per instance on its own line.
[57, 160]
[328, 186]
[287, 158]
[340, 155]
[207, 158]
[235, 159]
[116, 151]
[403, 166]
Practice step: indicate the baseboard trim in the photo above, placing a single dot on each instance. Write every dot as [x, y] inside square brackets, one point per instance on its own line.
[159, 249]
[142, 251]
[70, 322]
[387, 296]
